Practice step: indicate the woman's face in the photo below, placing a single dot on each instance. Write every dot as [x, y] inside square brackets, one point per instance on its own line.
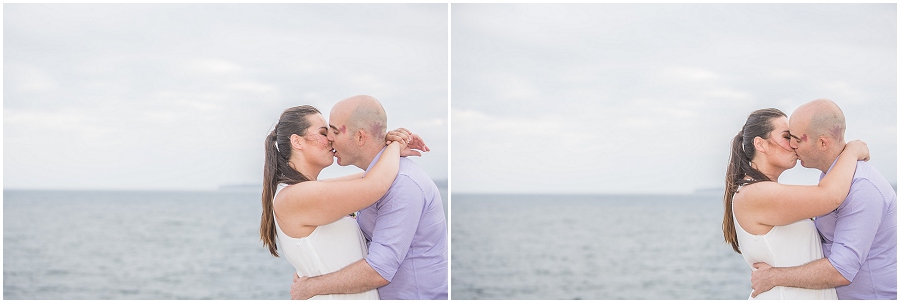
[319, 147]
[780, 143]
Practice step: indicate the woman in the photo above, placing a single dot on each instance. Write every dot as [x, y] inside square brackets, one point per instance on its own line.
[770, 222]
[311, 220]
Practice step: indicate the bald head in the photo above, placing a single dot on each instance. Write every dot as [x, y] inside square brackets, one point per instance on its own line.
[820, 117]
[818, 129]
[362, 112]
[358, 125]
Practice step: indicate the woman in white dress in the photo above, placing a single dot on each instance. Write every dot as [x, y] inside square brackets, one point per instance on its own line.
[309, 220]
[770, 222]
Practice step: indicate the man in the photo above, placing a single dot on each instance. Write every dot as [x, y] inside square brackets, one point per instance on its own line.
[859, 237]
[406, 229]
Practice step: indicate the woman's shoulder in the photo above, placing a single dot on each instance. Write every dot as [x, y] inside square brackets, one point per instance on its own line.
[753, 192]
[756, 185]
[280, 187]
[292, 190]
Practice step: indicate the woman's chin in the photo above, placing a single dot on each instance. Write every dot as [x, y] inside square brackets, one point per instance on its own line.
[793, 164]
[326, 163]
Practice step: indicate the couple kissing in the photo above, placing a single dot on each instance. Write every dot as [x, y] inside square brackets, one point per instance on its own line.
[395, 248]
[833, 240]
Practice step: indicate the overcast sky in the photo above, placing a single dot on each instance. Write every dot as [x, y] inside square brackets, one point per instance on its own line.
[645, 98]
[177, 96]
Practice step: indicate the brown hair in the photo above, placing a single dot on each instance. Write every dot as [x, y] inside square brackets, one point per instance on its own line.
[758, 124]
[293, 120]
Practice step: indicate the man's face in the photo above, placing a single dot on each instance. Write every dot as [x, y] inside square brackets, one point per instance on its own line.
[341, 139]
[803, 144]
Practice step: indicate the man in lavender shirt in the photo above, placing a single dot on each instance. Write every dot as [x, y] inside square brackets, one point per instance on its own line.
[406, 228]
[859, 237]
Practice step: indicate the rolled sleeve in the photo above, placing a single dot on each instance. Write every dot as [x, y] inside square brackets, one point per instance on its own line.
[857, 221]
[395, 226]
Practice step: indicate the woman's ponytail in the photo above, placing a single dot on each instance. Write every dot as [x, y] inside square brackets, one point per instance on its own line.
[740, 172]
[270, 171]
[276, 170]
[733, 174]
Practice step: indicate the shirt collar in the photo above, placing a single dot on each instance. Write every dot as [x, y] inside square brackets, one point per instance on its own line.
[374, 160]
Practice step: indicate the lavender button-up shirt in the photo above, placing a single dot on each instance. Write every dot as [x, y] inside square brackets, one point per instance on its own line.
[407, 236]
[860, 237]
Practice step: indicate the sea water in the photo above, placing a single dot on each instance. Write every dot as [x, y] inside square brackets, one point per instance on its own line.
[593, 247]
[138, 245]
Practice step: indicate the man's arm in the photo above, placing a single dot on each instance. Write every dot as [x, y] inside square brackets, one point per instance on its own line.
[395, 226]
[857, 221]
[855, 228]
[818, 274]
[355, 278]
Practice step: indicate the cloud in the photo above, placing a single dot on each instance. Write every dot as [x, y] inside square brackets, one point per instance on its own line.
[29, 78]
[213, 66]
[728, 94]
[255, 87]
[691, 74]
[49, 121]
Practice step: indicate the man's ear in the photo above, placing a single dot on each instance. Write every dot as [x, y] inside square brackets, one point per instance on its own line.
[823, 143]
[360, 137]
[296, 143]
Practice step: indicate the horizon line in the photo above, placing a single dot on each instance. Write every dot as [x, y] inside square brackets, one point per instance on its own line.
[234, 188]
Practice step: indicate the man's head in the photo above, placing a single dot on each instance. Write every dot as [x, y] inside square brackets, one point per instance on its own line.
[817, 129]
[358, 125]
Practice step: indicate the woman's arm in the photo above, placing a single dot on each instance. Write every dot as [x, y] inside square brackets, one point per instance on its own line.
[777, 204]
[316, 203]
[355, 176]
[413, 142]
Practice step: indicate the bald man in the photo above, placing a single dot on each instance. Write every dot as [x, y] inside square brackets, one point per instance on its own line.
[860, 236]
[405, 229]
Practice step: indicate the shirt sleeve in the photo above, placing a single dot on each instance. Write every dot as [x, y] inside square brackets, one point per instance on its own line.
[855, 227]
[395, 225]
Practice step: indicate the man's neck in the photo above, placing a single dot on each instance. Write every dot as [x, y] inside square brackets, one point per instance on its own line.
[830, 157]
[367, 155]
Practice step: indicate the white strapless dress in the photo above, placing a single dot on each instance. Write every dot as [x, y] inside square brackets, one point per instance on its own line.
[794, 244]
[327, 249]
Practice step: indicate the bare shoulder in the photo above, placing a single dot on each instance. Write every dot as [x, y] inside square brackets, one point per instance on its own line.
[295, 193]
[749, 207]
[752, 194]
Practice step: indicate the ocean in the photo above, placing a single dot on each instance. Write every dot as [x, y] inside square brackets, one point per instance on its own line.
[139, 245]
[595, 247]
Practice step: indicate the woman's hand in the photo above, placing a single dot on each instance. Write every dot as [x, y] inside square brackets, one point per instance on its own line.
[400, 134]
[857, 148]
[414, 144]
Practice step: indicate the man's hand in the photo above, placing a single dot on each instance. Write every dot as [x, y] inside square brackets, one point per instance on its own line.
[299, 290]
[761, 278]
[355, 278]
